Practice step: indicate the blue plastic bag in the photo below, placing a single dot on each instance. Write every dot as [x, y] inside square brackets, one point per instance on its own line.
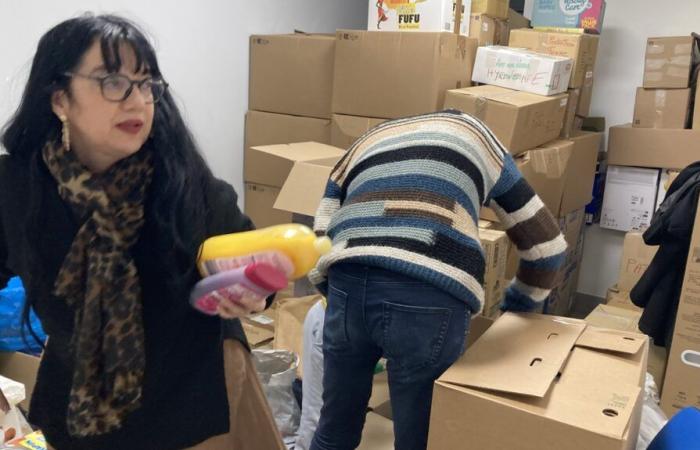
[11, 304]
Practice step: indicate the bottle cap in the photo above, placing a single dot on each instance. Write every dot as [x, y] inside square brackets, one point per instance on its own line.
[266, 276]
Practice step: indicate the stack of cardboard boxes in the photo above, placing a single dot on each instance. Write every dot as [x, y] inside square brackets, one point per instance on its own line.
[645, 156]
[533, 94]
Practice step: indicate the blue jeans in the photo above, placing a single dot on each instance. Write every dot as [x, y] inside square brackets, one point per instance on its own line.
[419, 328]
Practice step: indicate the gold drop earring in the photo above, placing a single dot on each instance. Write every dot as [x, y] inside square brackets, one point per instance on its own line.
[65, 133]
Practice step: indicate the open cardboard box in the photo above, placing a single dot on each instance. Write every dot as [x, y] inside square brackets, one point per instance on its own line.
[556, 382]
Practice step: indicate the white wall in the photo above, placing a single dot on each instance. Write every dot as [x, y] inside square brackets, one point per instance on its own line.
[202, 48]
[618, 73]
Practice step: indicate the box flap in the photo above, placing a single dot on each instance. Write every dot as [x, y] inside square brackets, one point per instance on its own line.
[305, 185]
[611, 340]
[532, 346]
[270, 164]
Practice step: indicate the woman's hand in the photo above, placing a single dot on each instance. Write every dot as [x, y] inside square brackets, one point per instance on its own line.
[237, 301]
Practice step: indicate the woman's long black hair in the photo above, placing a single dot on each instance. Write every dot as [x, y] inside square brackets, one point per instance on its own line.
[176, 205]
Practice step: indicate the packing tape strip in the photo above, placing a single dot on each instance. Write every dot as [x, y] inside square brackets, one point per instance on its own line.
[660, 99]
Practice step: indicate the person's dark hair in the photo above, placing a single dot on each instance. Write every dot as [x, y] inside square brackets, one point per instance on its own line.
[175, 202]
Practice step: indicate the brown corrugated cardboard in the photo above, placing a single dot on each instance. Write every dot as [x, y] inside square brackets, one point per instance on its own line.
[636, 257]
[289, 325]
[653, 147]
[594, 403]
[661, 108]
[257, 335]
[292, 74]
[304, 188]
[669, 61]
[567, 129]
[495, 244]
[517, 21]
[582, 48]
[624, 319]
[562, 172]
[584, 102]
[345, 130]
[520, 120]
[493, 8]
[392, 74]
[620, 299]
[263, 128]
[377, 434]
[682, 384]
[23, 369]
[270, 164]
[259, 202]
[488, 30]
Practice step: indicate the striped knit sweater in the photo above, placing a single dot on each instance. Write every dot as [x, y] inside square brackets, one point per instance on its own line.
[406, 197]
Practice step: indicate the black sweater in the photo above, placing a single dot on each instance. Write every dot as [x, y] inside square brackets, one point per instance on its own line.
[184, 394]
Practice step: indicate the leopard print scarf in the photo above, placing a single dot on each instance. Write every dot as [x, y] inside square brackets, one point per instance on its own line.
[100, 282]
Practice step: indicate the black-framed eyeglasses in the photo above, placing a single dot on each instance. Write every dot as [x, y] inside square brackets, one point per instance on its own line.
[116, 87]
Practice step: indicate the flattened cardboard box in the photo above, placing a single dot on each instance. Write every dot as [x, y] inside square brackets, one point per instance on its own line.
[345, 130]
[682, 383]
[392, 74]
[669, 61]
[582, 48]
[661, 108]
[577, 387]
[292, 74]
[653, 147]
[263, 128]
[520, 120]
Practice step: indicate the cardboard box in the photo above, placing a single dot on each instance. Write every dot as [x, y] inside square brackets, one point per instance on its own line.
[562, 172]
[305, 186]
[587, 15]
[577, 387]
[377, 434]
[653, 147]
[669, 61]
[625, 319]
[494, 8]
[495, 244]
[345, 130]
[263, 128]
[520, 120]
[615, 318]
[426, 15]
[488, 30]
[682, 383]
[517, 20]
[667, 177]
[661, 108]
[636, 257]
[620, 299]
[630, 198]
[581, 48]
[257, 335]
[289, 328]
[270, 164]
[22, 368]
[522, 70]
[584, 101]
[391, 75]
[259, 202]
[292, 74]
[567, 129]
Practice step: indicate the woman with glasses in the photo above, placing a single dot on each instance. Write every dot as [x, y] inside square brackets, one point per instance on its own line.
[104, 201]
